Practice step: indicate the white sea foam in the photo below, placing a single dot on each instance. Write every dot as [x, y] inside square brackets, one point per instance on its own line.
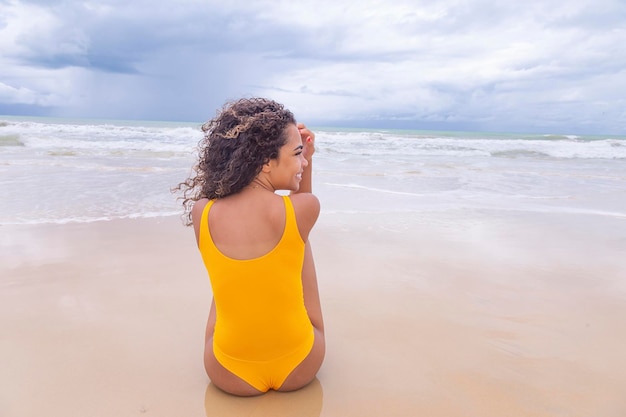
[572, 147]
[102, 139]
[90, 219]
[58, 171]
[378, 190]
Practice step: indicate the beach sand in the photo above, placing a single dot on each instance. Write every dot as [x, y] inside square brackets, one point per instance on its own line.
[455, 314]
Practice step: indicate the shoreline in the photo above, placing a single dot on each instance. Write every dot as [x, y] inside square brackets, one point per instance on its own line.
[462, 314]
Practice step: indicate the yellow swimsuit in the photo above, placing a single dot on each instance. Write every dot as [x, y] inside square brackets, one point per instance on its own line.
[262, 330]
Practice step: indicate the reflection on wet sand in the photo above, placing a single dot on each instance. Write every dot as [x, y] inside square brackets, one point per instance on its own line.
[306, 402]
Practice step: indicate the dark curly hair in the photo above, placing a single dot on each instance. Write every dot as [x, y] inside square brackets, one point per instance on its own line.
[244, 135]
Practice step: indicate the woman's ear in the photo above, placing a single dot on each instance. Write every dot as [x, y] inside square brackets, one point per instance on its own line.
[267, 166]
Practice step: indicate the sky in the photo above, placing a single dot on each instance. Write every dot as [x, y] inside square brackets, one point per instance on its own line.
[549, 66]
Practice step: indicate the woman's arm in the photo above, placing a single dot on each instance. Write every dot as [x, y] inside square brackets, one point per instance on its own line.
[311, 291]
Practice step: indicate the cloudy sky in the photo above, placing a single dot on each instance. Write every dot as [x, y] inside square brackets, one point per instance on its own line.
[549, 66]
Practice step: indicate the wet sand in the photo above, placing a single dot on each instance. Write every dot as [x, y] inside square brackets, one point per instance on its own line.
[466, 314]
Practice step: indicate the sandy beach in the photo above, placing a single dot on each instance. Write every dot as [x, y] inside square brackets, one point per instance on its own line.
[478, 314]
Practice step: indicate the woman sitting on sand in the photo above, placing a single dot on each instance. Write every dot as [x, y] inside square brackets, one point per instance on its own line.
[265, 328]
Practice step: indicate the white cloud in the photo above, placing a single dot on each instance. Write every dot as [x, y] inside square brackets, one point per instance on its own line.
[17, 95]
[540, 64]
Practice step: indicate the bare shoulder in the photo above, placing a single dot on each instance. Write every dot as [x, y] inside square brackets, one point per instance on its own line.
[307, 209]
[196, 215]
[197, 209]
[305, 202]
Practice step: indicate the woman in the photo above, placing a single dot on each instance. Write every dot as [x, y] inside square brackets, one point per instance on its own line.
[265, 328]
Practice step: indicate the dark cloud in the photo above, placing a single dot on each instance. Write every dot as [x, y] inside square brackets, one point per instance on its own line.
[534, 63]
[18, 109]
[117, 41]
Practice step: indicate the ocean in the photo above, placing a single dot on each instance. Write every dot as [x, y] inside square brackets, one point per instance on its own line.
[63, 170]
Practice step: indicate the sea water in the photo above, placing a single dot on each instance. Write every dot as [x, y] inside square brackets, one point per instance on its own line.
[62, 170]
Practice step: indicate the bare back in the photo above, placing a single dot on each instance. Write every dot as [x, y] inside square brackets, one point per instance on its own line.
[250, 224]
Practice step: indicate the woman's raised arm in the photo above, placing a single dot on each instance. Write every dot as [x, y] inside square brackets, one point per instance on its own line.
[308, 143]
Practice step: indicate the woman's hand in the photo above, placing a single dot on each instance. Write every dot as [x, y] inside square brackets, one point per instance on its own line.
[308, 141]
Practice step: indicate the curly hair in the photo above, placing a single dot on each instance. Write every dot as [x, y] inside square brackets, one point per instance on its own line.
[244, 135]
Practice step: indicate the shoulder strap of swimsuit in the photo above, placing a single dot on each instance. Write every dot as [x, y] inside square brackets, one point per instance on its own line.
[290, 213]
[204, 224]
[291, 224]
